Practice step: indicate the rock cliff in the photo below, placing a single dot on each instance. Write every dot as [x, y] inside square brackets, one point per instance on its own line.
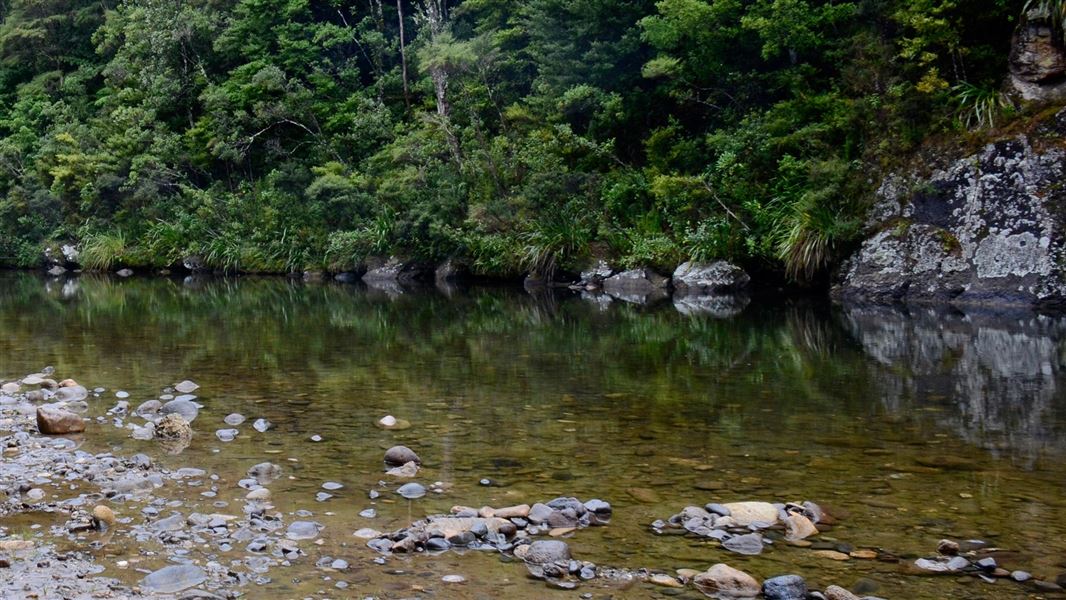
[986, 229]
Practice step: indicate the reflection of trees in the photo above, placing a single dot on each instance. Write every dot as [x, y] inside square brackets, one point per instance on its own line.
[997, 376]
[342, 350]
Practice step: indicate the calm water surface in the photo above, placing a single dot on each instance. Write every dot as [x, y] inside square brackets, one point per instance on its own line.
[909, 427]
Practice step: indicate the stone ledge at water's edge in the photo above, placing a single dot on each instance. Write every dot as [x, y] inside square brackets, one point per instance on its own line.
[986, 230]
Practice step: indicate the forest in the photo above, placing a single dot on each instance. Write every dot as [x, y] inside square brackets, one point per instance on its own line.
[518, 136]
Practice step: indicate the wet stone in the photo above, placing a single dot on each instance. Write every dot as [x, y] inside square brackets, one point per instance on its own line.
[226, 435]
[785, 587]
[302, 530]
[175, 578]
[750, 544]
[233, 419]
[261, 425]
[188, 410]
[411, 491]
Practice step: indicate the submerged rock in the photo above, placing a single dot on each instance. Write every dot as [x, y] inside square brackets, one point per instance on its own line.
[174, 578]
[546, 551]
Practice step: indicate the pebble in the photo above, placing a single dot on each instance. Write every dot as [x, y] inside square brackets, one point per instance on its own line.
[122, 395]
[453, 579]
[332, 486]
[261, 425]
[234, 419]
[226, 435]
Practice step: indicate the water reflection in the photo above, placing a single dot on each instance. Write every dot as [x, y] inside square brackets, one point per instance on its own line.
[559, 394]
[996, 378]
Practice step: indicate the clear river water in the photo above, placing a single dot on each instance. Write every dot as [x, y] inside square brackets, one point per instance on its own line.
[908, 426]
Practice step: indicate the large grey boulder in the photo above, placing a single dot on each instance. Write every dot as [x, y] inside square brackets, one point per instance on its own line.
[639, 286]
[718, 277]
[984, 230]
[396, 270]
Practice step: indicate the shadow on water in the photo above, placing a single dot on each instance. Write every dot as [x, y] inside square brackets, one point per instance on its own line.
[566, 394]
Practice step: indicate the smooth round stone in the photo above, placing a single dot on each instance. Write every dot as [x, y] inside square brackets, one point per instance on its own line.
[332, 486]
[323, 496]
[71, 394]
[368, 513]
[175, 578]
[340, 564]
[122, 395]
[186, 387]
[387, 421]
[186, 397]
[226, 435]
[234, 419]
[412, 490]
[148, 408]
[185, 408]
[453, 579]
[35, 494]
[261, 425]
[316, 438]
[302, 530]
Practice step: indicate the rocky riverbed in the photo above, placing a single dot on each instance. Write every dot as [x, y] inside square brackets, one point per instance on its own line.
[75, 523]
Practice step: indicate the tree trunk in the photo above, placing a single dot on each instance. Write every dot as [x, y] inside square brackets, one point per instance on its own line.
[403, 55]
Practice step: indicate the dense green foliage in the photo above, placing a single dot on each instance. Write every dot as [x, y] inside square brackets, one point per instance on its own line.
[272, 135]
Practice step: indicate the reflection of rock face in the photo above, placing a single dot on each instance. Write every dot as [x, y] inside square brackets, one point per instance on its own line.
[998, 375]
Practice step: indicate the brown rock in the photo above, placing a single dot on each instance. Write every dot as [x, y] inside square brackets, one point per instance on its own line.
[746, 513]
[68, 383]
[835, 592]
[831, 555]
[799, 527]
[510, 512]
[103, 517]
[947, 547]
[52, 420]
[723, 580]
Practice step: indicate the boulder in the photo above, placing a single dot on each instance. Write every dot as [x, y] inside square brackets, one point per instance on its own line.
[595, 274]
[1037, 60]
[53, 420]
[451, 271]
[641, 281]
[725, 581]
[394, 270]
[398, 456]
[718, 277]
[547, 551]
[985, 230]
[193, 263]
